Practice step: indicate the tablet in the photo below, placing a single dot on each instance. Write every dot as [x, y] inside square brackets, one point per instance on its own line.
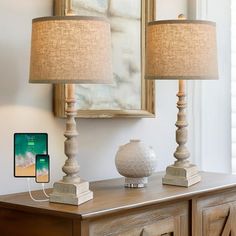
[26, 147]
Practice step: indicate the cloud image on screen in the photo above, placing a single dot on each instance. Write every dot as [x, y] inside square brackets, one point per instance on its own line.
[27, 146]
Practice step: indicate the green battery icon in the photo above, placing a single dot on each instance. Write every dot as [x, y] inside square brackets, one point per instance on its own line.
[31, 143]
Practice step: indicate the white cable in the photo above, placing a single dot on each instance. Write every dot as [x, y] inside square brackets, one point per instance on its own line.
[44, 191]
[36, 200]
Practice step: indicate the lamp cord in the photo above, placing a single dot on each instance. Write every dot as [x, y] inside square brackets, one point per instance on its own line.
[31, 196]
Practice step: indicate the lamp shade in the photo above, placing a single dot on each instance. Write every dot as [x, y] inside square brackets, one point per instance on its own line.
[182, 50]
[71, 49]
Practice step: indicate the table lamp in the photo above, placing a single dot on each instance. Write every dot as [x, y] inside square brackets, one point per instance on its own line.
[70, 50]
[181, 50]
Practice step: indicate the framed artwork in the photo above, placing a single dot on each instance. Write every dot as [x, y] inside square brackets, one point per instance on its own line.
[130, 95]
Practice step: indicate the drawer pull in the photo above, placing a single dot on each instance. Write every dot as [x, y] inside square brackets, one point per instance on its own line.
[143, 233]
[228, 228]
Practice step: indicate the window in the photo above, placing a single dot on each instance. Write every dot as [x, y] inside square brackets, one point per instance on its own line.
[233, 83]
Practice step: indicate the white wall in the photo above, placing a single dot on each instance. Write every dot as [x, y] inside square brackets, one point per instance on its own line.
[212, 100]
[27, 108]
[217, 107]
[23, 107]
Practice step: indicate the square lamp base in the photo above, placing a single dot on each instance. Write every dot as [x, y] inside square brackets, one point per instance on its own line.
[181, 176]
[71, 193]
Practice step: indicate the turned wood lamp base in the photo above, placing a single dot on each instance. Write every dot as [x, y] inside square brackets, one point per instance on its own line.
[71, 189]
[182, 172]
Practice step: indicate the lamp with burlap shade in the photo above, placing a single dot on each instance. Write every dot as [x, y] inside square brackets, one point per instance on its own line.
[181, 50]
[70, 50]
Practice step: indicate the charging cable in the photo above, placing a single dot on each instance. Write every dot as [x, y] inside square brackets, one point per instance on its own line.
[30, 193]
[43, 186]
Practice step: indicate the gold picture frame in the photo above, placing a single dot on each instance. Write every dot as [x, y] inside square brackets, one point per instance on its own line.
[147, 86]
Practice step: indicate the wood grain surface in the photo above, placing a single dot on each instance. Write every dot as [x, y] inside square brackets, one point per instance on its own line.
[205, 209]
[110, 196]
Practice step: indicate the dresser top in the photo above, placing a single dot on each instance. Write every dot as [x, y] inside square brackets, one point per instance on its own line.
[110, 196]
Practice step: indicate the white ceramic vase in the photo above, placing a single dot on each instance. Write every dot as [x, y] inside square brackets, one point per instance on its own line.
[135, 161]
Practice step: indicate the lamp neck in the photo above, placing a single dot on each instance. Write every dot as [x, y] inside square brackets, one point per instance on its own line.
[69, 8]
[71, 167]
[182, 86]
[182, 154]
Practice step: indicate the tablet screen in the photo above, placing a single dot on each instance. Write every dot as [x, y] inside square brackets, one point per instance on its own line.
[26, 147]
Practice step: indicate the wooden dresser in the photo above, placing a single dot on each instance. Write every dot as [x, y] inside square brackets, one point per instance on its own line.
[207, 208]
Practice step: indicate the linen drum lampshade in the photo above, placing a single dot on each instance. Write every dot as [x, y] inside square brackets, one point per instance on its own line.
[181, 50]
[71, 49]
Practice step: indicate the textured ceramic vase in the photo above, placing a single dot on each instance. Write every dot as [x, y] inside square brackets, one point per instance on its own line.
[135, 161]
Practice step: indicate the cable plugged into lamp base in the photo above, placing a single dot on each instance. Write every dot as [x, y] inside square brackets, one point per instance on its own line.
[31, 196]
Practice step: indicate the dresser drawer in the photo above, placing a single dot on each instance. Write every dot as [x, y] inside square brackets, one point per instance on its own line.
[149, 221]
[19, 223]
[215, 215]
